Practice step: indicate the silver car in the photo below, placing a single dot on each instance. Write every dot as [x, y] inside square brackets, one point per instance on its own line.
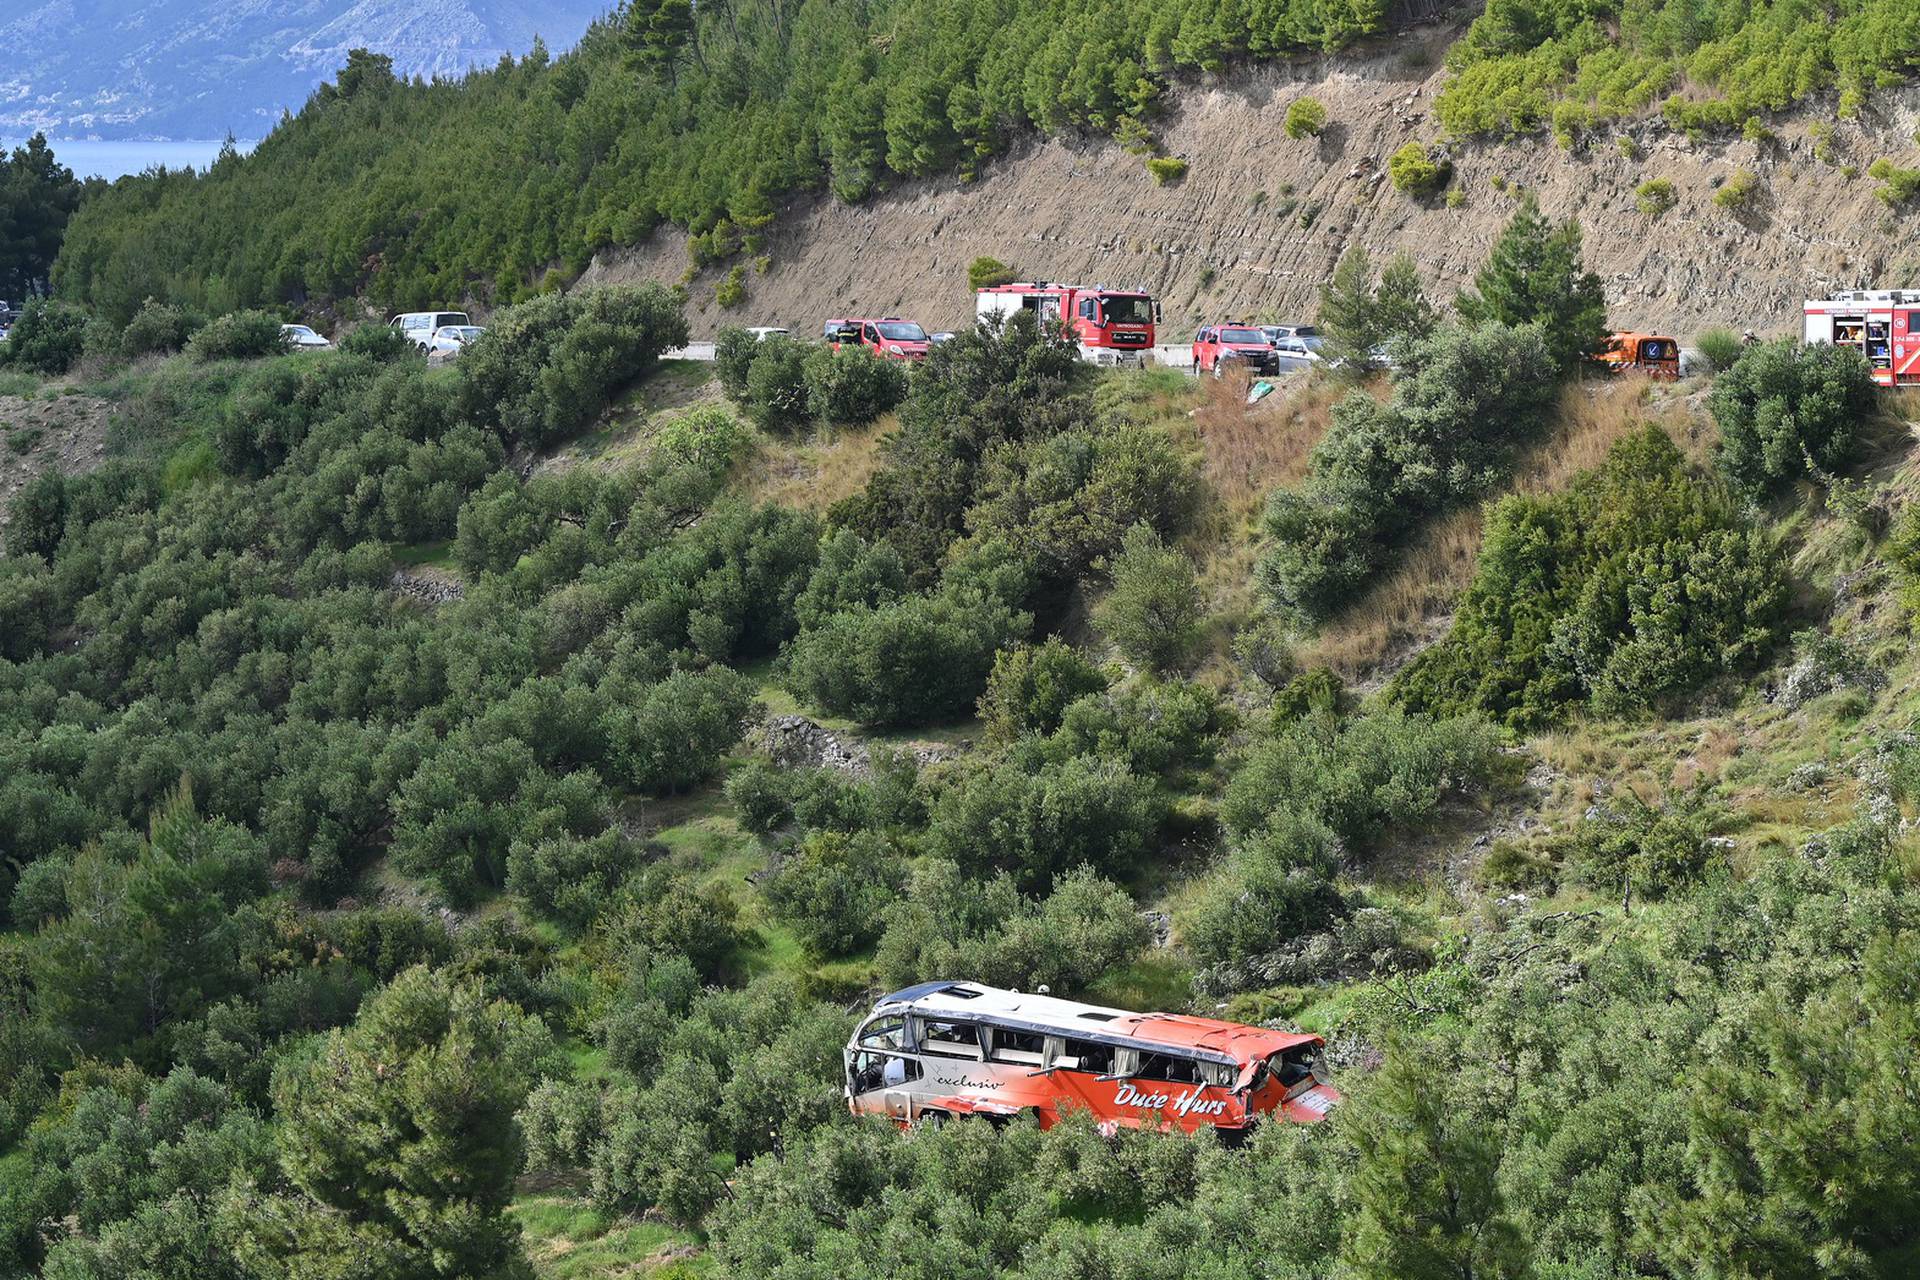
[449, 340]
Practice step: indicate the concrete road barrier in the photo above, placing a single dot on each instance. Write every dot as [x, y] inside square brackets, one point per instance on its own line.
[692, 351]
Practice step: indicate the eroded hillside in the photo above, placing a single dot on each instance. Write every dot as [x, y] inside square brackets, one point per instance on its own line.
[1229, 239]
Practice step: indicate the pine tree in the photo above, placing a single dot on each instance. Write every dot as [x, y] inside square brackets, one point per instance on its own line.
[1402, 312]
[1427, 1199]
[656, 32]
[1533, 276]
[1347, 311]
[37, 196]
[400, 1136]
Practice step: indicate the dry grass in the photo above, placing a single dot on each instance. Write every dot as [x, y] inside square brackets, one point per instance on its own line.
[1246, 451]
[814, 474]
[1405, 610]
[1409, 607]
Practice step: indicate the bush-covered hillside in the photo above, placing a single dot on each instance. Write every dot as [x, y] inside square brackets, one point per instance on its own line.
[1702, 66]
[408, 870]
[407, 193]
[710, 117]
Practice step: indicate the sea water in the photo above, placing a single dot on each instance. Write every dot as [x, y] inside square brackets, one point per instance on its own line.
[114, 158]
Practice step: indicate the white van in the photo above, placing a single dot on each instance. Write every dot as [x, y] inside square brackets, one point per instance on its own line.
[419, 325]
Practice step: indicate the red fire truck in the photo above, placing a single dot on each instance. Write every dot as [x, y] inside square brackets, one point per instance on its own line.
[945, 1049]
[1882, 324]
[1112, 326]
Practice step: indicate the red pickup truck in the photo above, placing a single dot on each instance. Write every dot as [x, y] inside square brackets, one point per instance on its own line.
[890, 338]
[1233, 346]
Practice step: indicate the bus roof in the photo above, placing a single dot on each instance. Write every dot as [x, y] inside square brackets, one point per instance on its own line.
[1205, 1037]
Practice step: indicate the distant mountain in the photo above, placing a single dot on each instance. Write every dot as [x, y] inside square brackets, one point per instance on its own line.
[203, 68]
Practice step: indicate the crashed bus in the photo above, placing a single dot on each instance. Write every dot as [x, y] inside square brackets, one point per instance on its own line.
[932, 1052]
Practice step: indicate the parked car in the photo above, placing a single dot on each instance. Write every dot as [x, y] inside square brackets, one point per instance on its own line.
[1217, 348]
[945, 335]
[1275, 332]
[419, 325]
[451, 339]
[1296, 351]
[301, 338]
[890, 338]
[764, 331]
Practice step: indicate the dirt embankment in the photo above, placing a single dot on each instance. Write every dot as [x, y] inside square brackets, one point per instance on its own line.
[1228, 239]
[67, 434]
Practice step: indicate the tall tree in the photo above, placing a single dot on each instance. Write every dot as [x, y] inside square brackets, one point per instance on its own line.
[1362, 318]
[1346, 310]
[1533, 276]
[400, 1137]
[1425, 1188]
[657, 32]
[37, 196]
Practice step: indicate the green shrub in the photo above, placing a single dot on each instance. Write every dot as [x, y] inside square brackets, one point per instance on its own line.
[47, 338]
[1031, 687]
[157, 328]
[1784, 407]
[851, 387]
[851, 573]
[1655, 197]
[1358, 778]
[1465, 399]
[547, 368]
[1719, 348]
[732, 291]
[1152, 614]
[1166, 169]
[760, 796]
[379, 342]
[988, 273]
[1739, 194]
[775, 397]
[1156, 726]
[733, 352]
[952, 922]
[1276, 888]
[1037, 823]
[239, 335]
[912, 661]
[1898, 185]
[1416, 173]
[833, 889]
[1636, 585]
[1629, 844]
[1306, 117]
[569, 878]
[707, 437]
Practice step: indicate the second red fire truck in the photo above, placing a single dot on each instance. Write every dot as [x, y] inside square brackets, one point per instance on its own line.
[1111, 326]
[1881, 324]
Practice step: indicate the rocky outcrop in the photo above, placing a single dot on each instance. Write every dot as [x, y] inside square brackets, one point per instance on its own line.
[427, 586]
[795, 742]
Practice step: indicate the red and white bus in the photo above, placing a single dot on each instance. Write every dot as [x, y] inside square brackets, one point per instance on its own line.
[1111, 326]
[1882, 324]
[946, 1049]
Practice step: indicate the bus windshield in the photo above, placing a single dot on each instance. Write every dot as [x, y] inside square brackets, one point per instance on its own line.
[1127, 309]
